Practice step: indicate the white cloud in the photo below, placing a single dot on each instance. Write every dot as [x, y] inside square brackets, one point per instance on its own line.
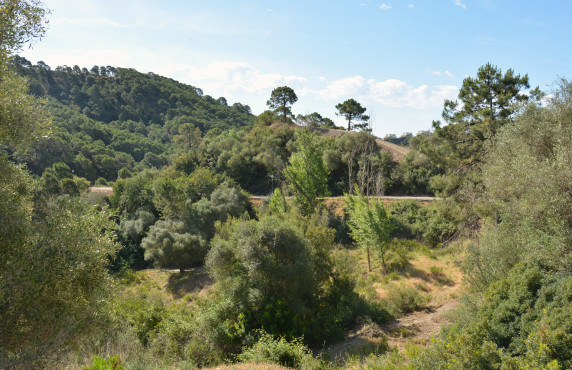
[547, 99]
[392, 93]
[231, 78]
[449, 74]
[410, 6]
[348, 86]
[385, 6]
[460, 3]
[88, 58]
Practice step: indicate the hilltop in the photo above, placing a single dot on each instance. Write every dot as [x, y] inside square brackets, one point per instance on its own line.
[397, 151]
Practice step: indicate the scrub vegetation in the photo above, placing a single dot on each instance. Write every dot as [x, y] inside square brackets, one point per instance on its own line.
[173, 265]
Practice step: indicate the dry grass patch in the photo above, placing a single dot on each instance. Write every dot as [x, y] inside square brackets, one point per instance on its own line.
[170, 285]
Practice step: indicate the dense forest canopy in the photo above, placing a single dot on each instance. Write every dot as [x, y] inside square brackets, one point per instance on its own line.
[108, 94]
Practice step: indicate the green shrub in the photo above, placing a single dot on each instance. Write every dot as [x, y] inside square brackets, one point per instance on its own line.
[101, 182]
[110, 363]
[436, 270]
[521, 321]
[433, 224]
[389, 277]
[292, 354]
[402, 299]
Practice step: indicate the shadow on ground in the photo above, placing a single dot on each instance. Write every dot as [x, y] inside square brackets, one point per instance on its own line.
[188, 282]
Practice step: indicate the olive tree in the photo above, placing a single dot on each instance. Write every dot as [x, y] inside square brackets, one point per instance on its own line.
[258, 263]
[169, 244]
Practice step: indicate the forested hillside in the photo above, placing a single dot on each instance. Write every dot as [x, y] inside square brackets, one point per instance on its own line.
[108, 94]
[108, 123]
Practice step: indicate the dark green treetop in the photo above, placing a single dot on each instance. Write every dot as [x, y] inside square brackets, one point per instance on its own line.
[280, 100]
[352, 110]
[487, 102]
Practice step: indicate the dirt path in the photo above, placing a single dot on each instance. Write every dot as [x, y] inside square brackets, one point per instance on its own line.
[418, 327]
[107, 190]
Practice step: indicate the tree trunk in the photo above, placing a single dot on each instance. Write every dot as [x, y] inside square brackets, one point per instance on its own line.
[368, 261]
[383, 264]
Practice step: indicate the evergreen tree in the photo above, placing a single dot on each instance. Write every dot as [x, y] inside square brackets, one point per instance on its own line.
[351, 110]
[280, 100]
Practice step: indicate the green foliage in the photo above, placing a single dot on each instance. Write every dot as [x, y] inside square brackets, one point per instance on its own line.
[105, 122]
[266, 118]
[402, 299]
[110, 363]
[54, 275]
[134, 194]
[353, 111]
[370, 225]
[526, 205]
[53, 253]
[258, 263]
[21, 22]
[21, 117]
[280, 100]
[413, 174]
[489, 101]
[434, 223]
[279, 278]
[523, 322]
[277, 202]
[270, 350]
[315, 120]
[306, 175]
[168, 244]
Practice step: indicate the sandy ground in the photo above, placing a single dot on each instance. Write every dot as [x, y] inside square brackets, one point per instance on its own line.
[107, 190]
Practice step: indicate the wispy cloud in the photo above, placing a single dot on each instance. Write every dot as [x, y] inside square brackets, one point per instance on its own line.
[91, 22]
[392, 93]
[438, 73]
[410, 6]
[534, 22]
[461, 4]
[385, 6]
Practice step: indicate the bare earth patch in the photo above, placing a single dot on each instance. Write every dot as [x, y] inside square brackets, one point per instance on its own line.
[107, 190]
[418, 327]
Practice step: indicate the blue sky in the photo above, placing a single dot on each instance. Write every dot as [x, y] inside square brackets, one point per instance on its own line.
[400, 59]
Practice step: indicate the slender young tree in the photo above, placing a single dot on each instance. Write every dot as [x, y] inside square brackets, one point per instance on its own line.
[370, 225]
[307, 174]
[351, 110]
[280, 100]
